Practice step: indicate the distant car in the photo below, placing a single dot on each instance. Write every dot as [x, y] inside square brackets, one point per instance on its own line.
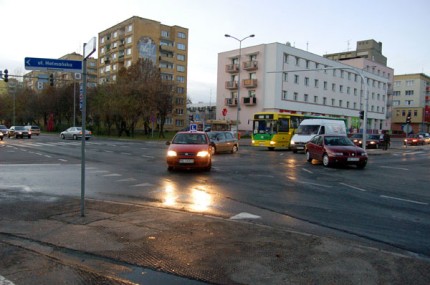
[189, 150]
[3, 131]
[18, 132]
[75, 133]
[332, 150]
[426, 137]
[372, 141]
[35, 130]
[223, 142]
[414, 140]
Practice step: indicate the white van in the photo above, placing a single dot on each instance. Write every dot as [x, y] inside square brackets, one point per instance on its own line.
[309, 128]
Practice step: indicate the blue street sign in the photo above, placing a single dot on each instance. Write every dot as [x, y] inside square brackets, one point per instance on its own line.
[32, 63]
[193, 127]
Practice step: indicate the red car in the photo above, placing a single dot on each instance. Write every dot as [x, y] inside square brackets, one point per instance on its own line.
[189, 150]
[333, 150]
[414, 140]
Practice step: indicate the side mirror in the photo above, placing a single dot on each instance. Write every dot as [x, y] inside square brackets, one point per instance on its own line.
[168, 143]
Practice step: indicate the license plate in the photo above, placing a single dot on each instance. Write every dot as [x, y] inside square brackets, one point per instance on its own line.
[353, 159]
[186, 160]
[300, 147]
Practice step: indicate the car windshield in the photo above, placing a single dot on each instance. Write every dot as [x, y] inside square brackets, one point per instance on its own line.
[357, 136]
[19, 128]
[373, 137]
[189, 139]
[307, 129]
[338, 141]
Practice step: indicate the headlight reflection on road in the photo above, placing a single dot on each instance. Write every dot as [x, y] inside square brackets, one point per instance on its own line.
[195, 197]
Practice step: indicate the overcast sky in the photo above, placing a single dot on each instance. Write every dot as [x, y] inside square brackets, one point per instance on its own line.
[52, 29]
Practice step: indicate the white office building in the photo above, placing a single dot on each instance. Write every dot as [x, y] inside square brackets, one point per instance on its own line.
[278, 77]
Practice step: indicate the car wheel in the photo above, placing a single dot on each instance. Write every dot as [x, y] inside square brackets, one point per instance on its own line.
[169, 168]
[208, 168]
[29, 137]
[326, 160]
[75, 137]
[308, 157]
[213, 149]
[271, 148]
[234, 149]
[62, 136]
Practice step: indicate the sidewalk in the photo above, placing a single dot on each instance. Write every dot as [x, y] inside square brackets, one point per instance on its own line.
[46, 241]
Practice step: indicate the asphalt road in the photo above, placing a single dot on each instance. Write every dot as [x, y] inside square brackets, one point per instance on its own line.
[387, 203]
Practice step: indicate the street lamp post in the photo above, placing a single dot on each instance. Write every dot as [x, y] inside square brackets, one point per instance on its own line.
[238, 87]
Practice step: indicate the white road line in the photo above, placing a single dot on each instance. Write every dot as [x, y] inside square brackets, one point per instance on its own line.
[126, 180]
[398, 168]
[404, 200]
[126, 153]
[147, 156]
[310, 183]
[63, 160]
[143, 185]
[353, 187]
[244, 215]
[307, 170]
[112, 174]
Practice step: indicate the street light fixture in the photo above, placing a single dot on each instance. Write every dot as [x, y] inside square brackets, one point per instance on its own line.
[238, 88]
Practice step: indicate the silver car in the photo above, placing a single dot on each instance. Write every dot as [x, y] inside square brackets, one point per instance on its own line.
[75, 133]
[3, 131]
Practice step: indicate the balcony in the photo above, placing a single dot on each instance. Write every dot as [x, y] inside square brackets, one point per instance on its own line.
[167, 48]
[232, 68]
[250, 83]
[250, 65]
[249, 101]
[231, 102]
[231, 85]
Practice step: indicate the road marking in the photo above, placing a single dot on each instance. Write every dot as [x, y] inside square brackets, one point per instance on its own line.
[147, 156]
[310, 183]
[112, 174]
[126, 180]
[126, 153]
[63, 160]
[353, 187]
[307, 170]
[244, 216]
[143, 185]
[404, 200]
[398, 168]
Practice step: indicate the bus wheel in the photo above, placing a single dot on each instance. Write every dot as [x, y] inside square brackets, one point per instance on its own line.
[271, 148]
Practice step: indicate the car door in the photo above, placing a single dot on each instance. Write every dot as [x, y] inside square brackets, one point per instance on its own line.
[221, 142]
[319, 148]
[230, 140]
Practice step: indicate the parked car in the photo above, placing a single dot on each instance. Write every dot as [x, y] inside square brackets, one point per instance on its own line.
[3, 131]
[189, 150]
[18, 132]
[35, 130]
[332, 150]
[372, 141]
[414, 139]
[75, 133]
[223, 142]
[426, 137]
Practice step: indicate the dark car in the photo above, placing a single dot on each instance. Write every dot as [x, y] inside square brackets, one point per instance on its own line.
[18, 132]
[332, 150]
[223, 142]
[189, 150]
[372, 141]
[414, 140]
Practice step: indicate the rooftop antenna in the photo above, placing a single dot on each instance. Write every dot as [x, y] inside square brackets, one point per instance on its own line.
[347, 45]
[307, 46]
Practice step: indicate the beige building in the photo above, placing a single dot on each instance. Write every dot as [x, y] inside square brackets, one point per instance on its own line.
[167, 46]
[411, 97]
[369, 49]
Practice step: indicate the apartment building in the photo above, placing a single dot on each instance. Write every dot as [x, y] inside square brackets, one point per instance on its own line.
[280, 78]
[167, 46]
[411, 98]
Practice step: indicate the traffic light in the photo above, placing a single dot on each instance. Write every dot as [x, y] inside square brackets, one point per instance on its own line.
[51, 79]
[362, 115]
[6, 75]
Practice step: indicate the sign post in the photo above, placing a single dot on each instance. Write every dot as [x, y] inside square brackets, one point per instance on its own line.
[89, 48]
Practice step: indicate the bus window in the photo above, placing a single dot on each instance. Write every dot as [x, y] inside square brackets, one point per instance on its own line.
[295, 122]
[284, 125]
[259, 127]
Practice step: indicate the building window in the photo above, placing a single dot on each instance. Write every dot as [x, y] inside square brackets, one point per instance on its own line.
[285, 76]
[115, 34]
[305, 98]
[333, 101]
[396, 102]
[396, 93]
[307, 64]
[165, 34]
[315, 99]
[333, 87]
[397, 83]
[296, 96]
[348, 90]
[251, 93]
[297, 61]
[180, 79]
[341, 88]
[409, 83]
[130, 28]
[325, 85]
[285, 58]
[180, 57]
[129, 40]
[409, 102]
[306, 81]
[334, 72]
[409, 92]
[284, 95]
[128, 63]
[347, 104]
[296, 79]
[340, 103]
[181, 46]
[316, 83]
[354, 105]
[324, 100]
[180, 90]
[181, 35]
[180, 68]
[128, 52]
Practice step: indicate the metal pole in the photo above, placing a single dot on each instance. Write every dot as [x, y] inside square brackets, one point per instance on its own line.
[74, 102]
[84, 114]
[238, 88]
[366, 101]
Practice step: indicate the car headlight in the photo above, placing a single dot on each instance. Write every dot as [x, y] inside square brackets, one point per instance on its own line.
[171, 153]
[292, 142]
[272, 143]
[203, 153]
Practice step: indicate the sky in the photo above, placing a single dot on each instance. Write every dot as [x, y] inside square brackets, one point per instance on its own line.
[52, 29]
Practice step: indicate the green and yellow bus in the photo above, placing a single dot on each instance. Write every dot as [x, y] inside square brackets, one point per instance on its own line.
[274, 130]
